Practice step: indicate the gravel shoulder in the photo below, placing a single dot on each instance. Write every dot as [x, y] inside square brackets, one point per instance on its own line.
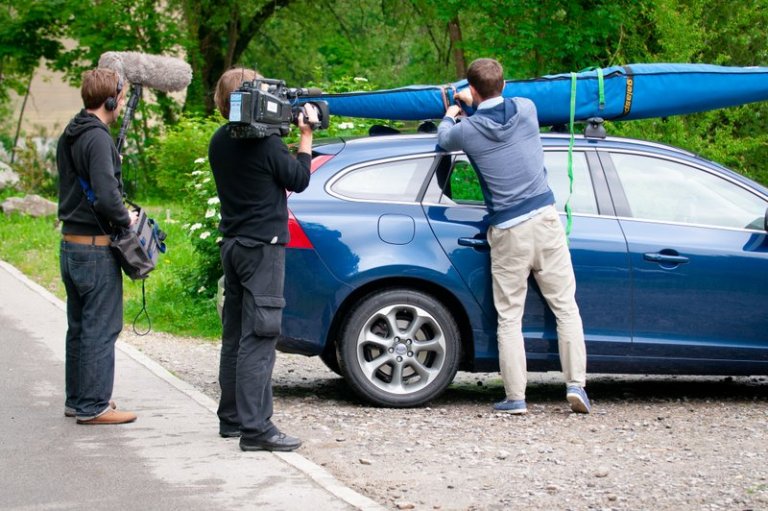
[651, 443]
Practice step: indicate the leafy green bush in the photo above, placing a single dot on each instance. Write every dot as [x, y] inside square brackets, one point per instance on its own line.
[175, 152]
[202, 222]
[183, 174]
[35, 163]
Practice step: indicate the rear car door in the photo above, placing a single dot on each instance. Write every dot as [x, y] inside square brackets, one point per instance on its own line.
[457, 214]
[699, 259]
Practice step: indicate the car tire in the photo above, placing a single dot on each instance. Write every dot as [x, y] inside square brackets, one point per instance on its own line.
[399, 348]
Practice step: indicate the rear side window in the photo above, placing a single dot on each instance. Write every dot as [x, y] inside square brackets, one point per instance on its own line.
[395, 181]
[465, 185]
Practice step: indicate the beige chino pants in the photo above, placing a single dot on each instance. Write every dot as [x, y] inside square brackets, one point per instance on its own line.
[535, 246]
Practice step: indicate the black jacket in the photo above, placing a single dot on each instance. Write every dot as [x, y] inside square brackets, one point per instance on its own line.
[87, 144]
[252, 176]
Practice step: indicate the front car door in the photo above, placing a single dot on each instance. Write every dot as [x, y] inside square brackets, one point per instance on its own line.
[699, 258]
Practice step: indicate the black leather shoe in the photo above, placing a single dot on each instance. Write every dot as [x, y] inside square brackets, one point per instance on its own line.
[277, 442]
[228, 430]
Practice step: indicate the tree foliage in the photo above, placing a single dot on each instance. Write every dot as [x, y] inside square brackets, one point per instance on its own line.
[401, 42]
[29, 31]
[716, 32]
[218, 32]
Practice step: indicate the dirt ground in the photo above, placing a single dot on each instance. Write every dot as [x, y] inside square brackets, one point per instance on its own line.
[651, 443]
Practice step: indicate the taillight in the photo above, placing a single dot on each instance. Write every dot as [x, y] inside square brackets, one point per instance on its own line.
[297, 237]
[319, 160]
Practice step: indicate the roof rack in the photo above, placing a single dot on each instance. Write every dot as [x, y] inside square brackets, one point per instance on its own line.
[594, 128]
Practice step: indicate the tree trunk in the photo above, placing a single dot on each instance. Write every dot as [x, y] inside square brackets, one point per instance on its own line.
[214, 57]
[21, 117]
[454, 32]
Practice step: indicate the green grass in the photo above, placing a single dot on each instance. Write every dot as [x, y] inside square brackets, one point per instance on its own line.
[173, 303]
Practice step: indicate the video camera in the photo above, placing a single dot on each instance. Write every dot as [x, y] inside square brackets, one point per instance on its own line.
[266, 107]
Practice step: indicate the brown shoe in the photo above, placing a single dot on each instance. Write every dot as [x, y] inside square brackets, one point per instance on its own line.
[110, 417]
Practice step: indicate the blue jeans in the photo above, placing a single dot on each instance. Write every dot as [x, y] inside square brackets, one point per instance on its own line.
[94, 284]
[254, 275]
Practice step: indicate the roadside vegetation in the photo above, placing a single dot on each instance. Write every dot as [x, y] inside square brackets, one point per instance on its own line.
[175, 301]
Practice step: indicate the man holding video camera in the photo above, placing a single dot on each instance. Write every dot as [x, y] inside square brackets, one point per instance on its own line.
[252, 177]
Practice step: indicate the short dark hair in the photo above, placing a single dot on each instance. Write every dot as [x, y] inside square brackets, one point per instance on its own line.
[487, 77]
[98, 85]
[231, 80]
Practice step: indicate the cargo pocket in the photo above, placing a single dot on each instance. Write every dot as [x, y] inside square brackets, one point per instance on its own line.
[267, 315]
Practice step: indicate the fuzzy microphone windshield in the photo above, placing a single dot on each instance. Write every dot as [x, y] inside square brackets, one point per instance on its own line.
[166, 74]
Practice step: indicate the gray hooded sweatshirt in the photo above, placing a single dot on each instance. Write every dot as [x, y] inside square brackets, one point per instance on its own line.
[504, 146]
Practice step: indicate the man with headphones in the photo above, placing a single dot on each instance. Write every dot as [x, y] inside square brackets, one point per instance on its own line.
[87, 158]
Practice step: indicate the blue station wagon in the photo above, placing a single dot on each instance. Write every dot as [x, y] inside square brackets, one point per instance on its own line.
[388, 270]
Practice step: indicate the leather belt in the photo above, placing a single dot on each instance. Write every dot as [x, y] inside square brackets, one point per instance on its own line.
[101, 240]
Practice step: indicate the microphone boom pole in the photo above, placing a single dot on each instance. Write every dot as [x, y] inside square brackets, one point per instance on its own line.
[130, 108]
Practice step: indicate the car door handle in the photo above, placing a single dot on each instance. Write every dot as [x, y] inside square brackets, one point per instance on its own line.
[657, 257]
[474, 242]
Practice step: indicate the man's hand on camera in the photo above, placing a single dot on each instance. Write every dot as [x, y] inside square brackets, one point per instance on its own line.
[307, 118]
[465, 96]
[453, 111]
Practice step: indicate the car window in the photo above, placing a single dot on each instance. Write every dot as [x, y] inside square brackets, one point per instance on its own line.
[399, 180]
[668, 191]
[464, 184]
[583, 197]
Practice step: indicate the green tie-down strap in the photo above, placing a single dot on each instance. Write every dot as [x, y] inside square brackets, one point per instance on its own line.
[601, 99]
[568, 214]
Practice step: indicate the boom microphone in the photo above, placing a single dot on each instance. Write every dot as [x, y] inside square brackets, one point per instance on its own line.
[167, 74]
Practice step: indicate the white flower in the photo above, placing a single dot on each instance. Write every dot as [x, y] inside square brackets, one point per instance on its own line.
[195, 227]
[218, 240]
[360, 79]
[346, 125]
[210, 213]
[198, 186]
[207, 180]
[197, 172]
[201, 290]
[204, 235]
[200, 160]
[213, 200]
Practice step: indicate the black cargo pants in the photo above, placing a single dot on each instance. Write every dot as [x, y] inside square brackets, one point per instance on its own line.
[254, 275]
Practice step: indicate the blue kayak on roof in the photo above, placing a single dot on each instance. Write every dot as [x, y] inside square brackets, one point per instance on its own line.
[635, 91]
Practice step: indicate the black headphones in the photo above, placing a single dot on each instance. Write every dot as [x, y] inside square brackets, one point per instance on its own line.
[111, 103]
